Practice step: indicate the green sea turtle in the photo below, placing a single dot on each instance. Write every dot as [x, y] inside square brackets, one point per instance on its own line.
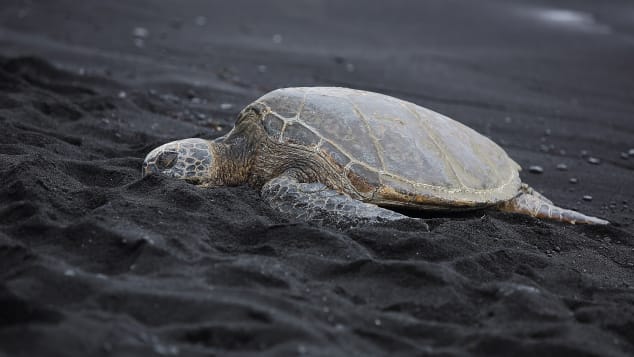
[339, 156]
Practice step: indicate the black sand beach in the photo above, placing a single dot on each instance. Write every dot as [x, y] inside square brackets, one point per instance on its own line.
[97, 261]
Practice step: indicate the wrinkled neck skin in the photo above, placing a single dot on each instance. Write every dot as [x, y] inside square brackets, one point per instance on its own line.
[247, 156]
[232, 163]
[234, 154]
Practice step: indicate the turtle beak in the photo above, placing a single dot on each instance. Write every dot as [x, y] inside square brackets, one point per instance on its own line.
[161, 160]
[148, 168]
[145, 169]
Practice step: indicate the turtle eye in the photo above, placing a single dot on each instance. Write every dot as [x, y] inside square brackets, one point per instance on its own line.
[166, 160]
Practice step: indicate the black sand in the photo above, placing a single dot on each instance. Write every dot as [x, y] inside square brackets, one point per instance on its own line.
[95, 261]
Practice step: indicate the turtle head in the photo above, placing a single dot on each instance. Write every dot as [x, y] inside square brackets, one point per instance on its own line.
[188, 159]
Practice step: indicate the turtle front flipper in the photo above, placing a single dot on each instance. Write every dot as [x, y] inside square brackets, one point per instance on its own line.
[532, 203]
[317, 203]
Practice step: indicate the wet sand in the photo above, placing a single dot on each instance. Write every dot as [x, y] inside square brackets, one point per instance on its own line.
[97, 261]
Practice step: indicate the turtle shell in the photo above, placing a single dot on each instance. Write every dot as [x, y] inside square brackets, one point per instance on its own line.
[393, 152]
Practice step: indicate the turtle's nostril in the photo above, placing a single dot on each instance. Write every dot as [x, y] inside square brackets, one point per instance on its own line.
[149, 168]
[166, 160]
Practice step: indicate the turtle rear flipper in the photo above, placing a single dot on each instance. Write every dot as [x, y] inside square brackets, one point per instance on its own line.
[532, 203]
[317, 203]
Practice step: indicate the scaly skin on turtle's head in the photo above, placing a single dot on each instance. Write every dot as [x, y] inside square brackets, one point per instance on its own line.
[188, 159]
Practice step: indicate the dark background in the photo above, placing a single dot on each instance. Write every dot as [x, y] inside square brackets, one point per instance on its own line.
[96, 261]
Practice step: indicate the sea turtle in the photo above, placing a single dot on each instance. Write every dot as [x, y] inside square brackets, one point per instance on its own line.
[338, 156]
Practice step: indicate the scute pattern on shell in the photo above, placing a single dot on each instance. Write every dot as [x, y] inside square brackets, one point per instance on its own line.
[415, 154]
